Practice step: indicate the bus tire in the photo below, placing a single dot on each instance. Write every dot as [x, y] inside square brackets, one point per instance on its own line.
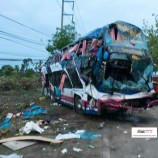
[52, 94]
[46, 92]
[78, 105]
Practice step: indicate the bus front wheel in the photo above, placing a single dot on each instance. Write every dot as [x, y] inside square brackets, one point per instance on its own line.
[78, 105]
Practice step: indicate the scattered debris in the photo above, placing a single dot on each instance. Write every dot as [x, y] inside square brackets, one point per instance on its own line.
[9, 115]
[77, 149]
[33, 111]
[125, 132]
[66, 124]
[42, 98]
[79, 134]
[54, 122]
[30, 126]
[40, 122]
[43, 122]
[46, 127]
[6, 122]
[64, 151]
[32, 103]
[87, 135]
[17, 115]
[55, 104]
[38, 138]
[101, 125]
[16, 145]
[66, 136]
[11, 156]
[80, 131]
[62, 120]
[91, 146]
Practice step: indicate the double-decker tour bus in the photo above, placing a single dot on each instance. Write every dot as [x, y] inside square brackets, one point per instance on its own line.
[110, 68]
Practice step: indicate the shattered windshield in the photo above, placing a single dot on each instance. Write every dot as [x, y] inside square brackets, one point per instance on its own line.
[128, 75]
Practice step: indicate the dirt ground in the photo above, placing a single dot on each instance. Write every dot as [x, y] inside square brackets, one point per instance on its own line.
[115, 130]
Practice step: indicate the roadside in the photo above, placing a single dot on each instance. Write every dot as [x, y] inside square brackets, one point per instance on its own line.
[115, 131]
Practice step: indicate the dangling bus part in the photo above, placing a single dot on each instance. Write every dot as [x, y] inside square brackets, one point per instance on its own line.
[109, 69]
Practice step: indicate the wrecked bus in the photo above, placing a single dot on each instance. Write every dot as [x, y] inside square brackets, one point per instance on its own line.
[110, 68]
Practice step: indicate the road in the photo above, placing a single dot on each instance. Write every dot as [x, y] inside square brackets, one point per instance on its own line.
[115, 141]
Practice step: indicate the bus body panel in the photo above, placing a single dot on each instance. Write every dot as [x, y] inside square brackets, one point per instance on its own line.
[109, 68]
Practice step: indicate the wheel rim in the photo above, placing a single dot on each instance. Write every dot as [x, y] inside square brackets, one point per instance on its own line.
[78, 106]
[45, 92]
[51, 95]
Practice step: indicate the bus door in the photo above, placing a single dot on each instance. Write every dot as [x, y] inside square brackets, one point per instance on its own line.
[65, 86]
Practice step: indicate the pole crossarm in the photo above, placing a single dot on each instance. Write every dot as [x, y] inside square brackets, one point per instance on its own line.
[64, 14]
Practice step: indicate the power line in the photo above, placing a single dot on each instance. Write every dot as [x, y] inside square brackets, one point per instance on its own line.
[8, 53]
[80, 17]
[17, 55]
[21, 44]
[77, 22]
[76, 19]
[19, 37]
[23, 25]
[58, 3]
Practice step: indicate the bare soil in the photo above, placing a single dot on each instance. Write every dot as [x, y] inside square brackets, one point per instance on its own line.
[116, 141]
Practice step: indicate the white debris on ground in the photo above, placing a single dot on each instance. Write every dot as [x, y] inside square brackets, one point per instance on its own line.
[14, 155]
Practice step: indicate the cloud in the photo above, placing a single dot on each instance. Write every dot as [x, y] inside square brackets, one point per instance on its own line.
[45, 15]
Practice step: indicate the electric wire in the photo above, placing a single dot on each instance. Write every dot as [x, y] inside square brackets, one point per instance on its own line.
[35, 30]
[58, 3]
[20, 43]
[77, 21]
[20, 38]
[80, 17]
[79, 26]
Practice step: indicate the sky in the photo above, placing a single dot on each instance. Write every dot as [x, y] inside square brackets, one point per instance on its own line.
[45, 16]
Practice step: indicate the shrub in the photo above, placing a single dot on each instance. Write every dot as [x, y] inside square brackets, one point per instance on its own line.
[29, 72]
[7, 83]
[25, 83]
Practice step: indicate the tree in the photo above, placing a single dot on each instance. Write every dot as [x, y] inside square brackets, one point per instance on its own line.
[152, 37]
[61, 38]
[6, 70]
[26, 63]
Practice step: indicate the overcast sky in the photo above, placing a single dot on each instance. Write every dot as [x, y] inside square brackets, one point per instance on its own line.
[45, 16]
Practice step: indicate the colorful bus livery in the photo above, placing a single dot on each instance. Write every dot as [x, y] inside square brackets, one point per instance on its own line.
[108, 69]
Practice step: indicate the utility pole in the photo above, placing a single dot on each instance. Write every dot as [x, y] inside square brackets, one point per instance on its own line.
[64, 14]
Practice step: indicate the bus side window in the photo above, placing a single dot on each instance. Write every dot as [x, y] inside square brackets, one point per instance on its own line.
[55, 79]
[67, 83]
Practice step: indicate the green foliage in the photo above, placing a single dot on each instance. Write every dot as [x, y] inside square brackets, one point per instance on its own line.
[23, 78]
[6, 70]
[7, 83]
[29, 73]
[37, 66]
[152, 37]
[25, 83]
[61, 38]
[26, 64]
